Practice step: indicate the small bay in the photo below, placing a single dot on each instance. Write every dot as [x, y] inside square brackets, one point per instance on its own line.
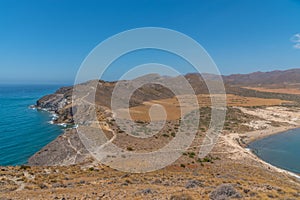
[281, 150]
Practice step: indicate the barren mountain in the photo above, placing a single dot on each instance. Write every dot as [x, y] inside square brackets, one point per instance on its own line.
[277, 77]
[64, 169]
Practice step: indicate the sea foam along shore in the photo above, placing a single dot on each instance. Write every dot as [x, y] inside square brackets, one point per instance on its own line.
[53, 115]
[260, 134]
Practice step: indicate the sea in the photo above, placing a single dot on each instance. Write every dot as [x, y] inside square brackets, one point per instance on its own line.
[281, 150]
[23, 130]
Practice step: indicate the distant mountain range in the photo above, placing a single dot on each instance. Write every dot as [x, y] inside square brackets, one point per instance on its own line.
[290, 76]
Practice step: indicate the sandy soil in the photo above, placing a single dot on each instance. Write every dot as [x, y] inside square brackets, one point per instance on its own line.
[260, 134]
[172, 108]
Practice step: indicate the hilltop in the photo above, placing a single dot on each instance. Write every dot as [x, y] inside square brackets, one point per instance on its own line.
[229, 170]
[277, 77]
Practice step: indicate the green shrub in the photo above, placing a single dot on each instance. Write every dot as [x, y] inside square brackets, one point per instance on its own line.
[191, 154]
[129, 149]
[91, 169]
[165, 135]
[24, 167]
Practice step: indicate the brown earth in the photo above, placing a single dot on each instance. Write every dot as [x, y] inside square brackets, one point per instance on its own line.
[278, 90]
[189, 177]
[99, 182]
[173, 109]
[74, 174]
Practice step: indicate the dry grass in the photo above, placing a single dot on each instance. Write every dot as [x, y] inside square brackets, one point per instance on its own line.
[172, 108]
[277, 90]
[104, 183]
[247, 176]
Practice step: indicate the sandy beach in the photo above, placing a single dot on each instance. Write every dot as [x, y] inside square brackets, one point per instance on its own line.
[234, 145]
[252, 136]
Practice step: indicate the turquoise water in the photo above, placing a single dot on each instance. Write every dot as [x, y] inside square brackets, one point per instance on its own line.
[23, 131]
[281, 150]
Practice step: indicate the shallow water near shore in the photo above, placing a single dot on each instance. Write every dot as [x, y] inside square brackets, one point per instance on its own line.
[281, 150]
[24, 131]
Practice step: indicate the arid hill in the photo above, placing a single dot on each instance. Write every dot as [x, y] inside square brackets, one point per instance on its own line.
[277, 77]
[64, 169]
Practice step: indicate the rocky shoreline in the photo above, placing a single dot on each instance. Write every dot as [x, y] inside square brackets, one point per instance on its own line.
[66, 149]
[65, 164]
[59, 104]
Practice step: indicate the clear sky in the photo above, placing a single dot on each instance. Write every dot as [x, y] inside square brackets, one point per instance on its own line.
[45, 41]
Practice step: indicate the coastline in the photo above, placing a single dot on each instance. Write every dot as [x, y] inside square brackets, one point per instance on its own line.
[278, 169]
[54, 116]
[57, 103]
[246, 138]
[252, 136]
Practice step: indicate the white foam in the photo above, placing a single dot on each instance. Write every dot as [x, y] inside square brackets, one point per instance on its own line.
[62, 124]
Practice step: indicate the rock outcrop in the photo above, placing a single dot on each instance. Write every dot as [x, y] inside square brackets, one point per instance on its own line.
[56, 101]
[68, 149]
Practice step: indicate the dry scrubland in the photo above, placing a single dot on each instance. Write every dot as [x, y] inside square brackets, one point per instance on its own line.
[287, 90]
[229, 171]
[98, 182]
[173, 108]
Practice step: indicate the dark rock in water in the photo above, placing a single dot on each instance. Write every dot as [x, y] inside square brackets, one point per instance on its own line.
[66, 149]
[32, 107]
[224, 192]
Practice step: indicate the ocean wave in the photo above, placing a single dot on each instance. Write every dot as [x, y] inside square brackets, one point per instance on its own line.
[63, 124]
[32, 107]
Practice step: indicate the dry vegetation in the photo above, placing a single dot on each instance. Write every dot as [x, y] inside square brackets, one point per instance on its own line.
[229, 168]
[276, 90]
[173, 108]
[99, 182]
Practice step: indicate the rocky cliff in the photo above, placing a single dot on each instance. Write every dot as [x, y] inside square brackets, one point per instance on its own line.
[58, 103]
[67, 149]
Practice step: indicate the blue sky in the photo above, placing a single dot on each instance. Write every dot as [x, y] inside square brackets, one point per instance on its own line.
[46, 41]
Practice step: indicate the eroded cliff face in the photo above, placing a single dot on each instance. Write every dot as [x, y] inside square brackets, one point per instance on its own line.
[58, 103]
[187, 178]
[66, 149]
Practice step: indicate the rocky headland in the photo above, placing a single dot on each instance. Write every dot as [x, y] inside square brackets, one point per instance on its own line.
[64, 169]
